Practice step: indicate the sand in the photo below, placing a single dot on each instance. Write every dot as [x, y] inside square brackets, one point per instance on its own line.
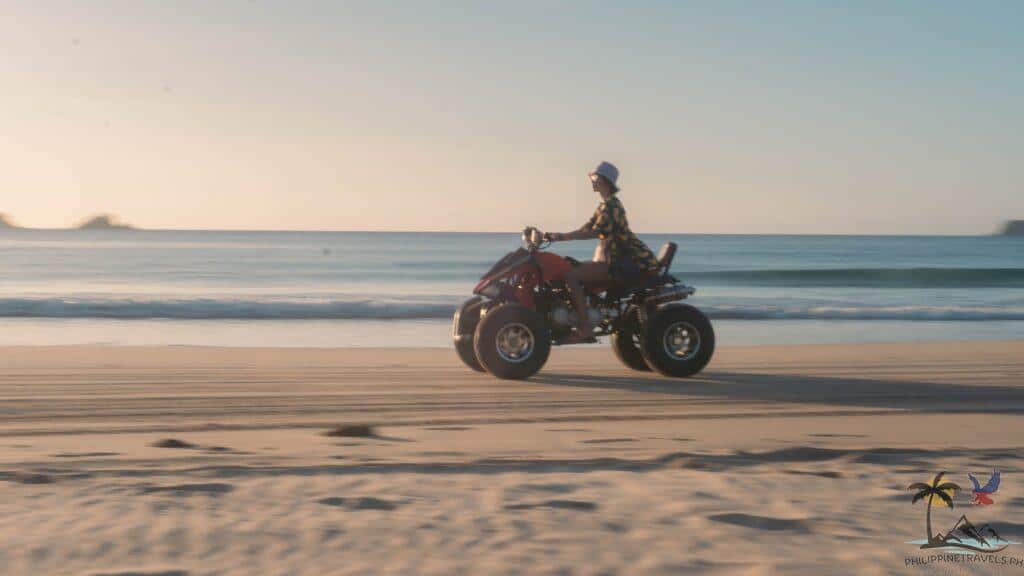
[776, 460]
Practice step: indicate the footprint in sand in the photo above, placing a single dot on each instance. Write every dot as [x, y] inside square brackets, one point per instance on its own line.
[609, 440]
[580, 505]
[142, 573]
[173, 443]
[27, 477]
[212, 489]
[352, 431]
[181, 445]
[762, 522]
[616, 527]
[360, 503]
[824, 474]
[549, 488]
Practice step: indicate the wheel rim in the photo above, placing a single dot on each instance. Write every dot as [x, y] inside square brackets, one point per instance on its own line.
[681, 341]
[514, 342]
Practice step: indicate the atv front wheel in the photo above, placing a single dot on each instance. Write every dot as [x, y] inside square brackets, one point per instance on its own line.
[464, 348]
[678, 341]
[464, 325]
[512, 342]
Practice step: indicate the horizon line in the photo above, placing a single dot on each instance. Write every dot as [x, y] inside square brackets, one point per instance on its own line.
[393, 231]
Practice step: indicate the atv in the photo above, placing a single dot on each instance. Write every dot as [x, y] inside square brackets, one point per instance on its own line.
[522, 306]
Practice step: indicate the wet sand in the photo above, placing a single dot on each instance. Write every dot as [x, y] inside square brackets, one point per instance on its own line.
[790, 459]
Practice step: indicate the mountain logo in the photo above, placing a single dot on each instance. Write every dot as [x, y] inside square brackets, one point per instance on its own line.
[983, 494]
[964, 535]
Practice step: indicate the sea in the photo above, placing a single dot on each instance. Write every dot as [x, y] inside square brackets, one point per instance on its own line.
[399, 289]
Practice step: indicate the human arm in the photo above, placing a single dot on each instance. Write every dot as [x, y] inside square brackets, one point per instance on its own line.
[598, 226]
[581, 233]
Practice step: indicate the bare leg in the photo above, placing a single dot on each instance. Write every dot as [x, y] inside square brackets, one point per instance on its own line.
[587, 273]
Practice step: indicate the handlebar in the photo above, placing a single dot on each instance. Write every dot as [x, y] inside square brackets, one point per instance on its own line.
[534, 239]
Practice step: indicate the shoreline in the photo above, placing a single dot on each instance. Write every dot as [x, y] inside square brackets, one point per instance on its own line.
[435, 334]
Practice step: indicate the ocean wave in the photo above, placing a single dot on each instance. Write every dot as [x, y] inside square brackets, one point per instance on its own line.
[224, 309]
[441, 308]
[870, 277]
[904, 313]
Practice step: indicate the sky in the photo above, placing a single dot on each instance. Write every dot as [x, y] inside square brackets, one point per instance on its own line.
[723, 117]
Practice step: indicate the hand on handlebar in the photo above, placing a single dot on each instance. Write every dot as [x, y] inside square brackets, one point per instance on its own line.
[552, 236]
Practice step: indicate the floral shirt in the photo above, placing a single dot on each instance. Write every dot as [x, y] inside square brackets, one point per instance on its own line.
[609, 221]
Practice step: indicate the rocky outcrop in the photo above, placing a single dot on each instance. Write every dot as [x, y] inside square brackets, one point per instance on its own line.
[1012, 228]
[103, 222]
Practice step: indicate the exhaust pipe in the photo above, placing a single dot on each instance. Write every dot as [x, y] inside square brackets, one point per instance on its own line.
[672, 294]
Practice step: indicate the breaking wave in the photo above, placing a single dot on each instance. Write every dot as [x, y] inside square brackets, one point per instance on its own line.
[871, 277]
[905, 313]
[224, 309]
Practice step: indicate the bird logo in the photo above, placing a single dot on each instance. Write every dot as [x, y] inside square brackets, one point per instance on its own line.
[983, 494]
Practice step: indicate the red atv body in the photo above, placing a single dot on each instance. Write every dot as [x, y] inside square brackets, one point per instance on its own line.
[522, 307]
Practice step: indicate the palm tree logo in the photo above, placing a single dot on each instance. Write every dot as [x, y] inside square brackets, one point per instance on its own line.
[944, 492]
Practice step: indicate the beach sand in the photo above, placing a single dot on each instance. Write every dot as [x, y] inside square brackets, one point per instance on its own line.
[775, 460]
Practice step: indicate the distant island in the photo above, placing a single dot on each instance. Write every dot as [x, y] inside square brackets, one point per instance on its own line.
[1012, 228]
[103, 222]
[97, 222]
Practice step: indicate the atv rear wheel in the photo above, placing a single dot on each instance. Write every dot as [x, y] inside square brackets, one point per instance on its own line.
[678, 341]
[627, 342]
[512, 342]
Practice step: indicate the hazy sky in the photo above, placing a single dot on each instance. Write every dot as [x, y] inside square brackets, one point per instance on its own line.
[832, 117]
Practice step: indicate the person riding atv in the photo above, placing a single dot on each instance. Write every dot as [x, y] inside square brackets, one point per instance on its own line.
[620, 255]
[532, 299]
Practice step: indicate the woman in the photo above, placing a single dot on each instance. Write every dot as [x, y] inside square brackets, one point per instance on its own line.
[619, 255]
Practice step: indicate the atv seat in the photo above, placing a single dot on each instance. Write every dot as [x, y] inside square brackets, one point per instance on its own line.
[623, 287]
[665, 256]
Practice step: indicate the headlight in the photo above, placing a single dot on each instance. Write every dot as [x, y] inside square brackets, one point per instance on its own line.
[491, 291]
